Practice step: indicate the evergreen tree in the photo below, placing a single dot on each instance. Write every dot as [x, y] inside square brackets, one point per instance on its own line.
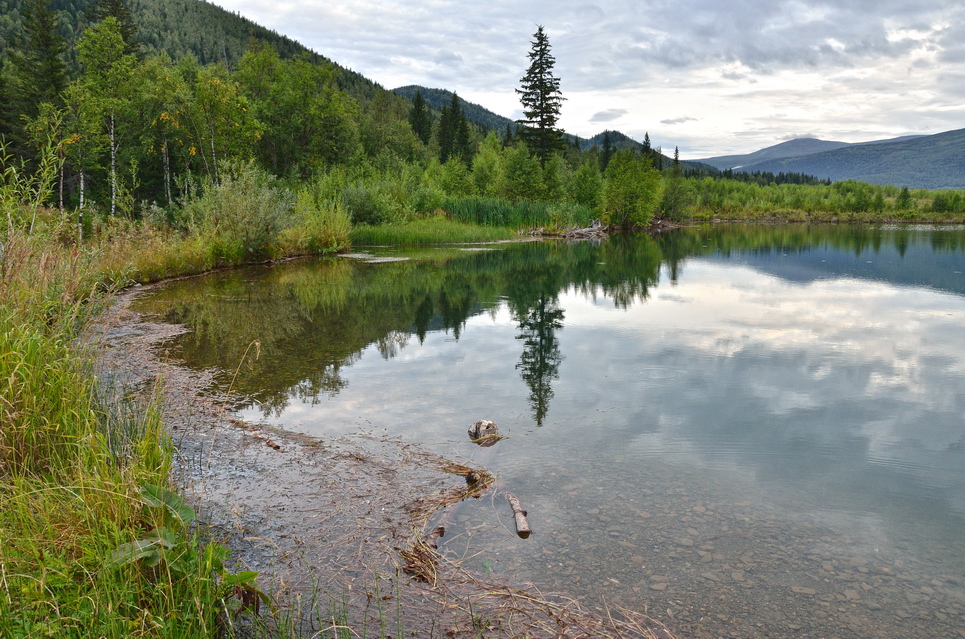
[903, 201]
[508, 136]
[6, 110]
[419, 118]
[452, 133]
[39, 73]
[607, 151]
[120, 10]
[675, 195]
[646, 151]
[541, 99]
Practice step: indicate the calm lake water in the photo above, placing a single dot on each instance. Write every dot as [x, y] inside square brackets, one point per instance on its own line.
[747, 431]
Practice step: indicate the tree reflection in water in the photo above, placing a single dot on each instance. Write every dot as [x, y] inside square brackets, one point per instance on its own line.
[314, 319]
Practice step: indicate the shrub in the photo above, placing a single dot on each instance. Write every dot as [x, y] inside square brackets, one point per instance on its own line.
[632, 190]
[240, 216]
[319, 226]
[365, 205]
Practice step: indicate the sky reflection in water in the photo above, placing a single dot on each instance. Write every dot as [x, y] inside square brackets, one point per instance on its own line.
[802, 379]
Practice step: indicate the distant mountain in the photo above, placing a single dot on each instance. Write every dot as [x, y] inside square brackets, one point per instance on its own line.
[927, 162]
[784, 150]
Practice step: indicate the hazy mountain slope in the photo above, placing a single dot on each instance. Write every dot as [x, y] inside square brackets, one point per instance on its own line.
[789, 149]
[931, 162]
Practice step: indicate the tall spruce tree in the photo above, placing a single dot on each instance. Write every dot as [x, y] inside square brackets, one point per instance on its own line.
[541, 99]
[452, 134]
[419, 118]
[607, 152]
[6, 108]
[39, 72]
[120, 10]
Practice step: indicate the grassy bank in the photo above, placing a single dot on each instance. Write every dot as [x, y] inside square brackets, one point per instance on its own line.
[93, 541]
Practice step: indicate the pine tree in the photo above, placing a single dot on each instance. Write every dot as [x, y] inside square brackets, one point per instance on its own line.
[419, 118]
[39, 73]
[607, 152]
[120, 10]
[541, 99]
[453, 133]
[6, 112]
[508, 136]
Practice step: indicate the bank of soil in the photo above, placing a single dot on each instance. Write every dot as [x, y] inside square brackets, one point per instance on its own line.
[326, 523]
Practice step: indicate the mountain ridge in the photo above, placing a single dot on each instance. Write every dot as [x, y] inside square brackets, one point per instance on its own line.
[931, 162]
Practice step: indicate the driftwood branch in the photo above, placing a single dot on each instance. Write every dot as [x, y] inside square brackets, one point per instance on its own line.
[595, 230]
[522, 525]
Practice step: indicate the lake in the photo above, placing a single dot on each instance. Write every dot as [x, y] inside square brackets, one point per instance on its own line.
[746, 431]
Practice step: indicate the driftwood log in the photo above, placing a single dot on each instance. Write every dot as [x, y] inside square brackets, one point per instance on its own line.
[522, 525]
[594, 230]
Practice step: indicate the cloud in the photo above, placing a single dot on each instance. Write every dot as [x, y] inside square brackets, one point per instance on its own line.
[609, 115]
[678, 120]
[841, 64]
[796, 136]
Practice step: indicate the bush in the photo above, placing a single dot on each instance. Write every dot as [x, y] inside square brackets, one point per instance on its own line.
[320, 226]
[632, 190]
[240, 216]
[365, 205]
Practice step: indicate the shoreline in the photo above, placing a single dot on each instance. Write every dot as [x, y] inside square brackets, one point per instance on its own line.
[326, 521]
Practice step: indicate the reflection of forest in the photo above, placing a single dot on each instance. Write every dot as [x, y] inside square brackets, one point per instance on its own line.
[312, 319]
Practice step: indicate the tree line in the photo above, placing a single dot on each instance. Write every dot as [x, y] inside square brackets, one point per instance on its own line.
[135, 133]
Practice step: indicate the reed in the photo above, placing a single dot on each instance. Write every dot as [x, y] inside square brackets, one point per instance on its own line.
[425, 231]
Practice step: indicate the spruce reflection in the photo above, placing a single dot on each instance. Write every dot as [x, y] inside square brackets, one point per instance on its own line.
[535, 307]
[540, 361]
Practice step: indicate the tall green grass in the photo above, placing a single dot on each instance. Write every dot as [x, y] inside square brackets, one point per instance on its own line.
[92, 543]
[86, 550]
[425, 231]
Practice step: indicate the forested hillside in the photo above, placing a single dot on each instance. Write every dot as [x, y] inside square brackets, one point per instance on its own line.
[438, 99]
[179, 28]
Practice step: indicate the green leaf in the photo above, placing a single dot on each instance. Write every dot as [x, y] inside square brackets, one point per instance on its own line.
[160, 497]
[237, 578]
[148, 549]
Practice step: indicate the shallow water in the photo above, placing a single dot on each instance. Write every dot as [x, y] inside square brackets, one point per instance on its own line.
[747, 431]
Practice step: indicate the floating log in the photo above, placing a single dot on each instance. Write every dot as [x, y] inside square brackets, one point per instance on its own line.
[522, 525]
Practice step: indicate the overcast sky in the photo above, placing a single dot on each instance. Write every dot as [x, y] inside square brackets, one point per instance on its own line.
[712, 77]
